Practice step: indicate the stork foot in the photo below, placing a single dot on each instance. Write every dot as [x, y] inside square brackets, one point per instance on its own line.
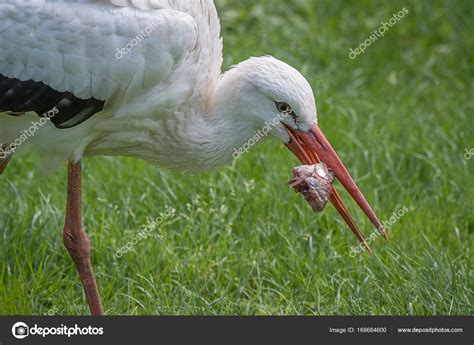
[76, 241]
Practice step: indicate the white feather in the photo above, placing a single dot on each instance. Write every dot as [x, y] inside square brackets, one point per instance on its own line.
[166, 100]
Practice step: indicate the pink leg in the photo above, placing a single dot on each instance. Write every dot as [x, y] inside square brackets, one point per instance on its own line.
[76, 241]
[4, 157]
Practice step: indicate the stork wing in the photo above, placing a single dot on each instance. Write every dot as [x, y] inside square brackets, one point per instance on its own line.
[77, 56]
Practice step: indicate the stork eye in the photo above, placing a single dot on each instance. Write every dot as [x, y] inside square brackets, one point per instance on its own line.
[285, 108]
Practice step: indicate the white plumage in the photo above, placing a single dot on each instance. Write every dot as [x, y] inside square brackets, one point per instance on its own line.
[71, 46]
[166, 101]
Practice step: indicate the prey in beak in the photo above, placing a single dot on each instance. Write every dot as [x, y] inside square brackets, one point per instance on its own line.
[312, 147]
[314, 182]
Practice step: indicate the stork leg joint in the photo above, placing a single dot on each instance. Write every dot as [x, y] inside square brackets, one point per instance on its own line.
[77, 244]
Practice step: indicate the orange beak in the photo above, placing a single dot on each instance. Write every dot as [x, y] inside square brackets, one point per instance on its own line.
[312, 147]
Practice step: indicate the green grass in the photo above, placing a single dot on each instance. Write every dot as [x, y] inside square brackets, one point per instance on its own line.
[401, 117]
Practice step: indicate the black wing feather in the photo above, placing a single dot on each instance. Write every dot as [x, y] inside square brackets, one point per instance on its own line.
[18, 97]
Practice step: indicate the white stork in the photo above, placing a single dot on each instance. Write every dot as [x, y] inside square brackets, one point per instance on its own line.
[142, 78]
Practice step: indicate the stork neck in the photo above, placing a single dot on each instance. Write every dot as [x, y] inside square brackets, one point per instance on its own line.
[224, 128]
[216, 137]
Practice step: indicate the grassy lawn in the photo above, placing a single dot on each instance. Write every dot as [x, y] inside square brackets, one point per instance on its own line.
[240, 241]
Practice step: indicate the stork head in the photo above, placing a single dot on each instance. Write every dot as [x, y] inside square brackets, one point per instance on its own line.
[268, 91]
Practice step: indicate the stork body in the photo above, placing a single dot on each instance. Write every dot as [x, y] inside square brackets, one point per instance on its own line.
[143, 79]
[138, 104]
